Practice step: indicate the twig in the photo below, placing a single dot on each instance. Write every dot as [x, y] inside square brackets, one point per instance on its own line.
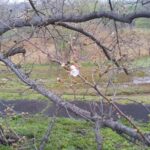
[98, 137]
[47, 133]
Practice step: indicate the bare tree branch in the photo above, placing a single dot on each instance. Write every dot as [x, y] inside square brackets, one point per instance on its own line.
[115, 25]
[98, 137]
[34, 8]
[122, 129]
[44, 21]
[119, 128]
[104, 48]
[14, 51]
[47, 134]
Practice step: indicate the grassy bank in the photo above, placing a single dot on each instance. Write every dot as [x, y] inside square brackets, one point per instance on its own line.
[67, 134]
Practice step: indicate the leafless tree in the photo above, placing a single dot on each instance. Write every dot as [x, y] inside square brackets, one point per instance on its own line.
[67, 21]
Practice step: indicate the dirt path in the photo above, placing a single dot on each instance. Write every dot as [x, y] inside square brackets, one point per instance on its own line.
[136, 111]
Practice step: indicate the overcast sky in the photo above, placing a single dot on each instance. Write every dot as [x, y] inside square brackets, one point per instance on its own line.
[17, 1]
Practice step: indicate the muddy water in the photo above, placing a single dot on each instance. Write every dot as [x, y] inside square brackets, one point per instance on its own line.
[136, 111]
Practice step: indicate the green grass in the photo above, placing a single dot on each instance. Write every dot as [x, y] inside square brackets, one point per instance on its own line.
[144, 99]
[142, 62]
[122, 99]
[47, 74]
[143, 23]
[68, 134]
[17, 96]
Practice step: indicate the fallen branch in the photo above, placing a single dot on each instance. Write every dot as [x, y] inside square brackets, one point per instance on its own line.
[7, 138]
[122, 129]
